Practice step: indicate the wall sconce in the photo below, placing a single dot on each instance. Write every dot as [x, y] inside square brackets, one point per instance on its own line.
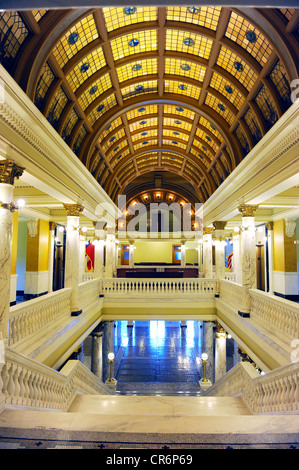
[12, 206]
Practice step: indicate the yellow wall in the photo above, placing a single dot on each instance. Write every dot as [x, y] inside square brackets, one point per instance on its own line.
[284, 249]
[14, 247]
[160, 252]
[38, 248]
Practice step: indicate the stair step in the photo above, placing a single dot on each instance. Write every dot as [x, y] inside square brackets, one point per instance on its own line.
[159, 405]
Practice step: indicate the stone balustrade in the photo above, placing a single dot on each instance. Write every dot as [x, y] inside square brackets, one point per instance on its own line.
[275, 392]
[232, 294]
[160, 287]
[275, 311]
[30, 316]
[88, 293]
[28, 383]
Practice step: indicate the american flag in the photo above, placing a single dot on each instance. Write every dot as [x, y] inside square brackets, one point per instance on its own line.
[229, 259]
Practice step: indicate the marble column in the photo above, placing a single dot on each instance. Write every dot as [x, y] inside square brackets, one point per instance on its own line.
[110, 254]
[207, 252]
[72, 254]
[82, 250]
[52, 226]
[107, 347]
[183, 254]
[208, 347]
[96, 352]
[131, 254]
[219, 241]
[220, 352]
[9, 171]
[99, 235]
[199, 256]
[269, 226]
[248, 256]
[237, 256]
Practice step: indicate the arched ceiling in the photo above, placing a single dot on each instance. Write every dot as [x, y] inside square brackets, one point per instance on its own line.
[139, 90]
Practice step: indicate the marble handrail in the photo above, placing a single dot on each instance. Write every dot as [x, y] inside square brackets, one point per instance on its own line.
[159, 287]
[231, 293]
[27, 383]
[275, 392]
[88, 292]
[275, 311]
[27, 317]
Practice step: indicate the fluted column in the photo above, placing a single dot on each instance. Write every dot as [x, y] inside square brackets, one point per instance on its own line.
[110, 254]
[220, 352]
[237, 256]
[52, 226]
[269, 226]
[248, 256]
[72, 254]
[9, 171]
[207, 252]
[219, 241]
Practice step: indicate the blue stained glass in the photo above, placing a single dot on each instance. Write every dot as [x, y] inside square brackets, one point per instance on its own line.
[140, 110]
[136, 67]
[84, 67]
[108, 127]
[129, 10]
[144, 143]
[228, 89]
[144, 133]
[142, 122]
[119, 156]
[179, 109]
[174, 142]
[204, 148]
[139, 88]
[176, 133]
[134, 42]
[112, 139]
[193, 10]
[208, 138]
[100, 108]
[73, 38]
[221, 107]
[116, 148]
[251, 36]
[200, 156]
[212, 127]
[185, 67]
[178, 122]
[238, 66]
[182, 87]
[93, 90]
[188, 41]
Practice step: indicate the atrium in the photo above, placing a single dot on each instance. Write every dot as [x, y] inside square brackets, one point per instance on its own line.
[149, 226]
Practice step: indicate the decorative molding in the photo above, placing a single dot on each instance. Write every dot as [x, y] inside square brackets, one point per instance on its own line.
[52, 225]
[247, 210]
[290, 227]
[208, 230]
[269, 225]
[32, 227]
[9, 171]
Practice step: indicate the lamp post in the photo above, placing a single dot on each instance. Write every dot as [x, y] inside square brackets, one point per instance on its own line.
[111, 359]
[204, 358]
[204, 383]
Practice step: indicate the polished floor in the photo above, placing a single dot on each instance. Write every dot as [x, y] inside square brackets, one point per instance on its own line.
[158, 357]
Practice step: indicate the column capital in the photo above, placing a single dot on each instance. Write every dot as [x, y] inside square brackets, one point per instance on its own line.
[9, 171]
[247, 210]
[219, 225]
[269, 225]
[208, 230]
[73, 209]
[52, 225]
[220, 331]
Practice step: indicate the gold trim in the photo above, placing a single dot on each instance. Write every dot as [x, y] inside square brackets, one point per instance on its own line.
[9, 171]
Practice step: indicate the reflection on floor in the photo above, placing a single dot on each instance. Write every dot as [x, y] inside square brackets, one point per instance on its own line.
[158, 358]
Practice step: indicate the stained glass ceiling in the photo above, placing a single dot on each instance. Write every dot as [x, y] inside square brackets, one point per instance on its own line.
[138, 90]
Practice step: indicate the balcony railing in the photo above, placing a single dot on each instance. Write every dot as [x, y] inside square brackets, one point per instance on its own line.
[192, 287]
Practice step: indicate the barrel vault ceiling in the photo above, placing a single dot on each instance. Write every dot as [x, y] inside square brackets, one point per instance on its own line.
[175, 94]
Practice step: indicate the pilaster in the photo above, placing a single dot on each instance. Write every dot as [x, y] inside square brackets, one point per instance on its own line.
[207, 252]
[219, 242]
